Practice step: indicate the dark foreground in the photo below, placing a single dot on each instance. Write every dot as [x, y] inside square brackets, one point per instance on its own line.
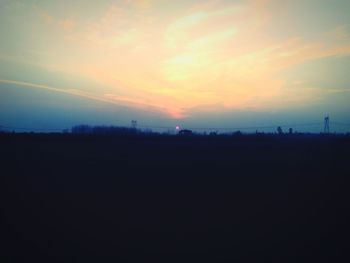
[101, 199]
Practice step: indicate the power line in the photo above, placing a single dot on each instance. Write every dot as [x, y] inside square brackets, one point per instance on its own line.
[238, 128]
[192, 128]
[341, 123]
[31, 129]
[257, 127]
[171, 127]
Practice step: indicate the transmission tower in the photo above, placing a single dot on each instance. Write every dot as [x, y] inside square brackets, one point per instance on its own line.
[133, 124]
[326, 124]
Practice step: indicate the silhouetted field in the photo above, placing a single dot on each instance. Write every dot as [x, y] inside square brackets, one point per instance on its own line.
[131, 198]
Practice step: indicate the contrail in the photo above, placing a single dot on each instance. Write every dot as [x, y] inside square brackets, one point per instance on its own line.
[115, 101]
[46, 87]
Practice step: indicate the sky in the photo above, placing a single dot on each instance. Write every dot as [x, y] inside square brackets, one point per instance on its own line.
[209, 64]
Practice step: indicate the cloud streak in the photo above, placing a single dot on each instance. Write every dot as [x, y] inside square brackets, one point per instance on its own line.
[104, 98]
[145, 54]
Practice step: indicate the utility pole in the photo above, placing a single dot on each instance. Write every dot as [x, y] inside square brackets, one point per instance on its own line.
[326, 124]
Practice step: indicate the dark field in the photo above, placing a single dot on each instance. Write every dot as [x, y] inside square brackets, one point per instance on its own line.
[192, 199]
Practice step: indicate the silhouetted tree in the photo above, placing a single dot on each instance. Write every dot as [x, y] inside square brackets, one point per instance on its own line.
[82, 129]
[237, 133]
[279, 130]
[185, 132]
[105, 130]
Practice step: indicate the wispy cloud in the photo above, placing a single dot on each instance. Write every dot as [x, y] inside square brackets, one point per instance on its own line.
[216, 52]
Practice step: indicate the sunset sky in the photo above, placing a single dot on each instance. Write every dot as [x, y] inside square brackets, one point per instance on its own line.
[209, 63]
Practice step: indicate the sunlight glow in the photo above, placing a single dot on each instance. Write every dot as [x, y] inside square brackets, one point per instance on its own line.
[172, 58]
